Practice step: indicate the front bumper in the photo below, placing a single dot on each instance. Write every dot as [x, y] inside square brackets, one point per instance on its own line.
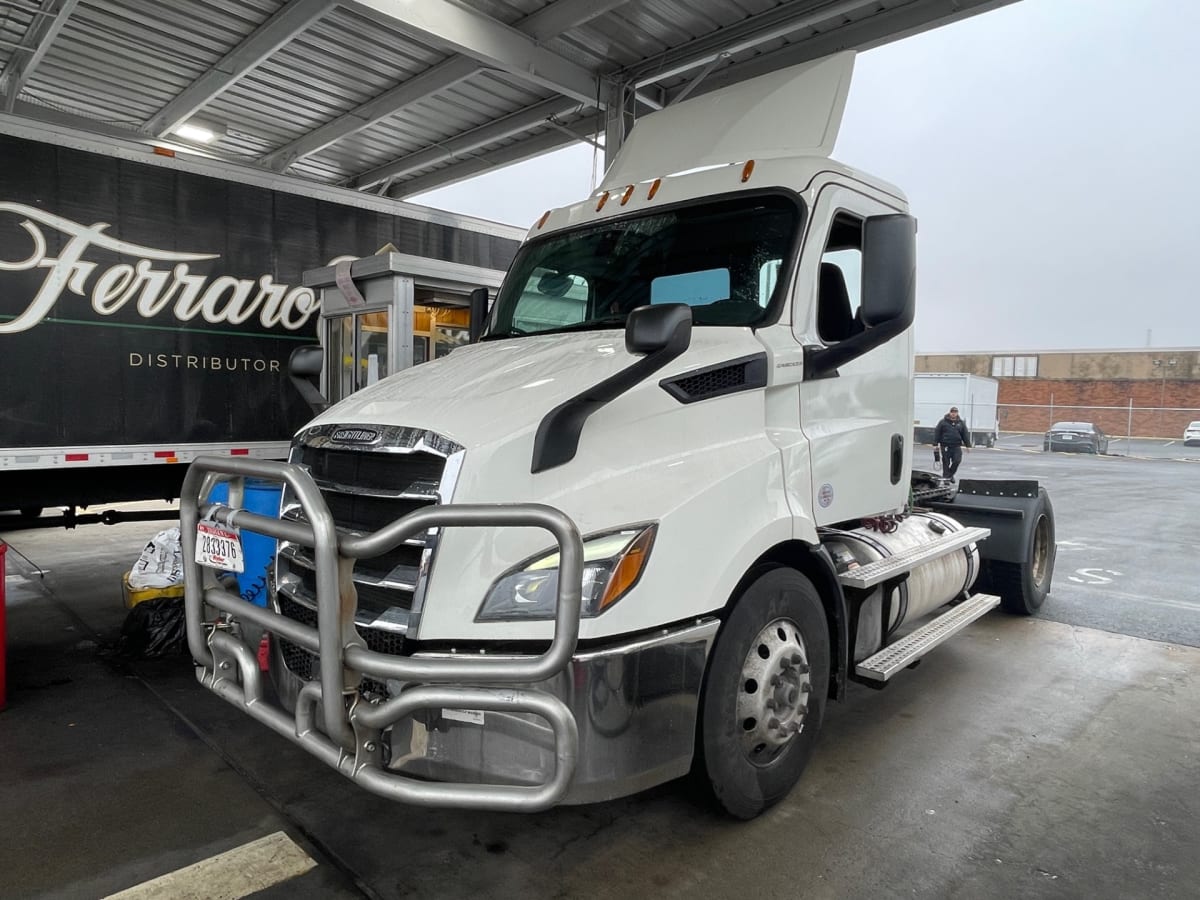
[1082, 446]
[634, 705]
[477, 731]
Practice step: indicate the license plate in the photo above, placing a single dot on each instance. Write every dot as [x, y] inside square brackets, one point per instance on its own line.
[219, 547]
[1067, 437]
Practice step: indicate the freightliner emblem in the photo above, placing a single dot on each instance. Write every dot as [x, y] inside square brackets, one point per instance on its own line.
[354, 436]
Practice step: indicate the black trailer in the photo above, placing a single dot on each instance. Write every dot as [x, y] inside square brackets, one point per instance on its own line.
[149, 306]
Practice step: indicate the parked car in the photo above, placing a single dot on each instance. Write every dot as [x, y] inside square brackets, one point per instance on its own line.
[1191, 435]
[1075, 437]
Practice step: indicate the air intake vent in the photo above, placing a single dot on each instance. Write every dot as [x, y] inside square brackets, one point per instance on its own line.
[745, 374]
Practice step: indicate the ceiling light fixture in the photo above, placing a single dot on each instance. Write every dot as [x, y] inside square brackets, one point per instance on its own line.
[199, 131]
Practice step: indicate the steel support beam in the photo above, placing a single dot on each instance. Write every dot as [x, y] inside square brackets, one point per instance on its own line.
[35, 112]
[881, 28]
[458, 29]
[745, 35]
[437, 78]
[551, 21]
[278, 30]
[618, 120]
[494, 159]
[541, 26]
[463, 144]
[31, 50]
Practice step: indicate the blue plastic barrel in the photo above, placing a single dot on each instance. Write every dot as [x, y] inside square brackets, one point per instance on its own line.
[260, 497]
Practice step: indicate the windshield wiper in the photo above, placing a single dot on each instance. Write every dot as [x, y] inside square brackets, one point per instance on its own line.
[589, 325]
[499, 335]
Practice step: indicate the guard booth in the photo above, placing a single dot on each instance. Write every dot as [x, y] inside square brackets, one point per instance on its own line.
[381, 314]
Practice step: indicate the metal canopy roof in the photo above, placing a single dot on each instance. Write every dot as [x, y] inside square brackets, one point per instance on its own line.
[398, 97]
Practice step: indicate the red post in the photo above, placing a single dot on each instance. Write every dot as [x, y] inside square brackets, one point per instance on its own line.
[3, 635]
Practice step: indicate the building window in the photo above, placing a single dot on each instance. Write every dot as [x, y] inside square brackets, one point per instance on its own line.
[1014, 366]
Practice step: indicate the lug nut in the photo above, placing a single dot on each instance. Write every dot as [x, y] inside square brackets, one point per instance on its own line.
[771, 704]
[805, 688]
[803, 669]
[773, 723]
[797, 658]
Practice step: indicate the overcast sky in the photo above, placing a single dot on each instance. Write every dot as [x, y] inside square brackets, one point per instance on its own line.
[1050, 150]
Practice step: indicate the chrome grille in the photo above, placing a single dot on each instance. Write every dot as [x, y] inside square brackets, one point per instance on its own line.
[381, 474]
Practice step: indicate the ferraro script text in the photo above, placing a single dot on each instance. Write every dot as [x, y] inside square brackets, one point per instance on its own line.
[152, 289]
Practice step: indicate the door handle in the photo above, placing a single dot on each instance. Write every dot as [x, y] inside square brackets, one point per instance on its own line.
[897, 457]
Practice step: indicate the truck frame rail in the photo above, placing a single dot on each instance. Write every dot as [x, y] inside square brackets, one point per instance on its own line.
[332, 720]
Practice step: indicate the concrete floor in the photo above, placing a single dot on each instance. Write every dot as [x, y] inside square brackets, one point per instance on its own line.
[1026, 757]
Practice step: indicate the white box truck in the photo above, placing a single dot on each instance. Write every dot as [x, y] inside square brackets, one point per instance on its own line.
[974, 395]
[653, 521]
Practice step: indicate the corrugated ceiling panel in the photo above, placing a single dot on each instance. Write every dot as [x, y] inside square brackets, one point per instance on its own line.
[118, 59]
[469, 104]
[335, 66]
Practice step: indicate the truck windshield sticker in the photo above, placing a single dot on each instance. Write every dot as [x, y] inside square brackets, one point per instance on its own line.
[692, 288]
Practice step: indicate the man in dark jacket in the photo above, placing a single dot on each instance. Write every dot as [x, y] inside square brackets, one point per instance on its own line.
[950, 436]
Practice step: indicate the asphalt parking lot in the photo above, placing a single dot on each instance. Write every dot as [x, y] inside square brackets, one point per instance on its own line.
[1052, 757]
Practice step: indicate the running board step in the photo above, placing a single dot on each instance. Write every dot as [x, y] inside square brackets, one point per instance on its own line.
[905, 561]
[894, 657]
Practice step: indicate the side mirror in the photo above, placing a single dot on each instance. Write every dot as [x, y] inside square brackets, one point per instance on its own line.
[304, 365]
[479, 312]
[889, 293]
[889, 276]
[649, 329]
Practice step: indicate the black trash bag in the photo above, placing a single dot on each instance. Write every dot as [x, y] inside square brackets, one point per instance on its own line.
[154, 629]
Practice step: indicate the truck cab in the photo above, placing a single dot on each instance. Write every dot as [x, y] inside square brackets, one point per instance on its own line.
[655, 518]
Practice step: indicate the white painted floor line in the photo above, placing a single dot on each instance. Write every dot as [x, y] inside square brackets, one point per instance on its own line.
[228, 876]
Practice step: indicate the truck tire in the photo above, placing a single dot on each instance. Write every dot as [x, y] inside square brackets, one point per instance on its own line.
[764, 695]
[1023, 586]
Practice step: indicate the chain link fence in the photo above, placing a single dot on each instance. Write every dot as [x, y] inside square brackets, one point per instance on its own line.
[1128, 421]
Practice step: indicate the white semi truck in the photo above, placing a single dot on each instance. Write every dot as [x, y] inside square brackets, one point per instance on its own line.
[650, 523]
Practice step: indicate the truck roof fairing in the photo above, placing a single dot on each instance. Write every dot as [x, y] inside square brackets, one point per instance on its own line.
[796, 111]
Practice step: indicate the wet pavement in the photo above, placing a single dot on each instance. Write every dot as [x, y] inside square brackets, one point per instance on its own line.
[1049, 757]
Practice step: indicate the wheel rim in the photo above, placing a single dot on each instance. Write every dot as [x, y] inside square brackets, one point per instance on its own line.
[1041, 549]
[773, 692]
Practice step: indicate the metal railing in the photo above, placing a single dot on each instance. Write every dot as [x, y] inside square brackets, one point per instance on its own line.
[332, 720]
[1126, 420]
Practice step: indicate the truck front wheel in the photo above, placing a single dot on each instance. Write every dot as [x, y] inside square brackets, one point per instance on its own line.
[765, 694]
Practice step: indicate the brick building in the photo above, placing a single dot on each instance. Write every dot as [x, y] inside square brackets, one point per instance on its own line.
[1158, 389]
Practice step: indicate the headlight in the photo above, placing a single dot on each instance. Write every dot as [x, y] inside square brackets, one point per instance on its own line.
[612, 565]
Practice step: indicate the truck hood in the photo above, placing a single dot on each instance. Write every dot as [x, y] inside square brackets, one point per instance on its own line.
[495, 390]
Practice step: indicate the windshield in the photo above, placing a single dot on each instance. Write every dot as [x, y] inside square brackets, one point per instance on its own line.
[722, 258]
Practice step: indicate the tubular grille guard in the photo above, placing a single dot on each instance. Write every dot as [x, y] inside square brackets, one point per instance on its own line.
[348, 736]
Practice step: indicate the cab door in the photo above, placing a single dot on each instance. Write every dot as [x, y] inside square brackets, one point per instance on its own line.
[857, 419]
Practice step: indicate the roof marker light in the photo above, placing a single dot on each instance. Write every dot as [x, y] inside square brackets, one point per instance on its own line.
[654, 188]
[603, 200]
[542, 220]
[747, 170]
[628, 193]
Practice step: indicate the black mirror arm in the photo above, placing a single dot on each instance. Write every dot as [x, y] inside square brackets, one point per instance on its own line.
[823, 362]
